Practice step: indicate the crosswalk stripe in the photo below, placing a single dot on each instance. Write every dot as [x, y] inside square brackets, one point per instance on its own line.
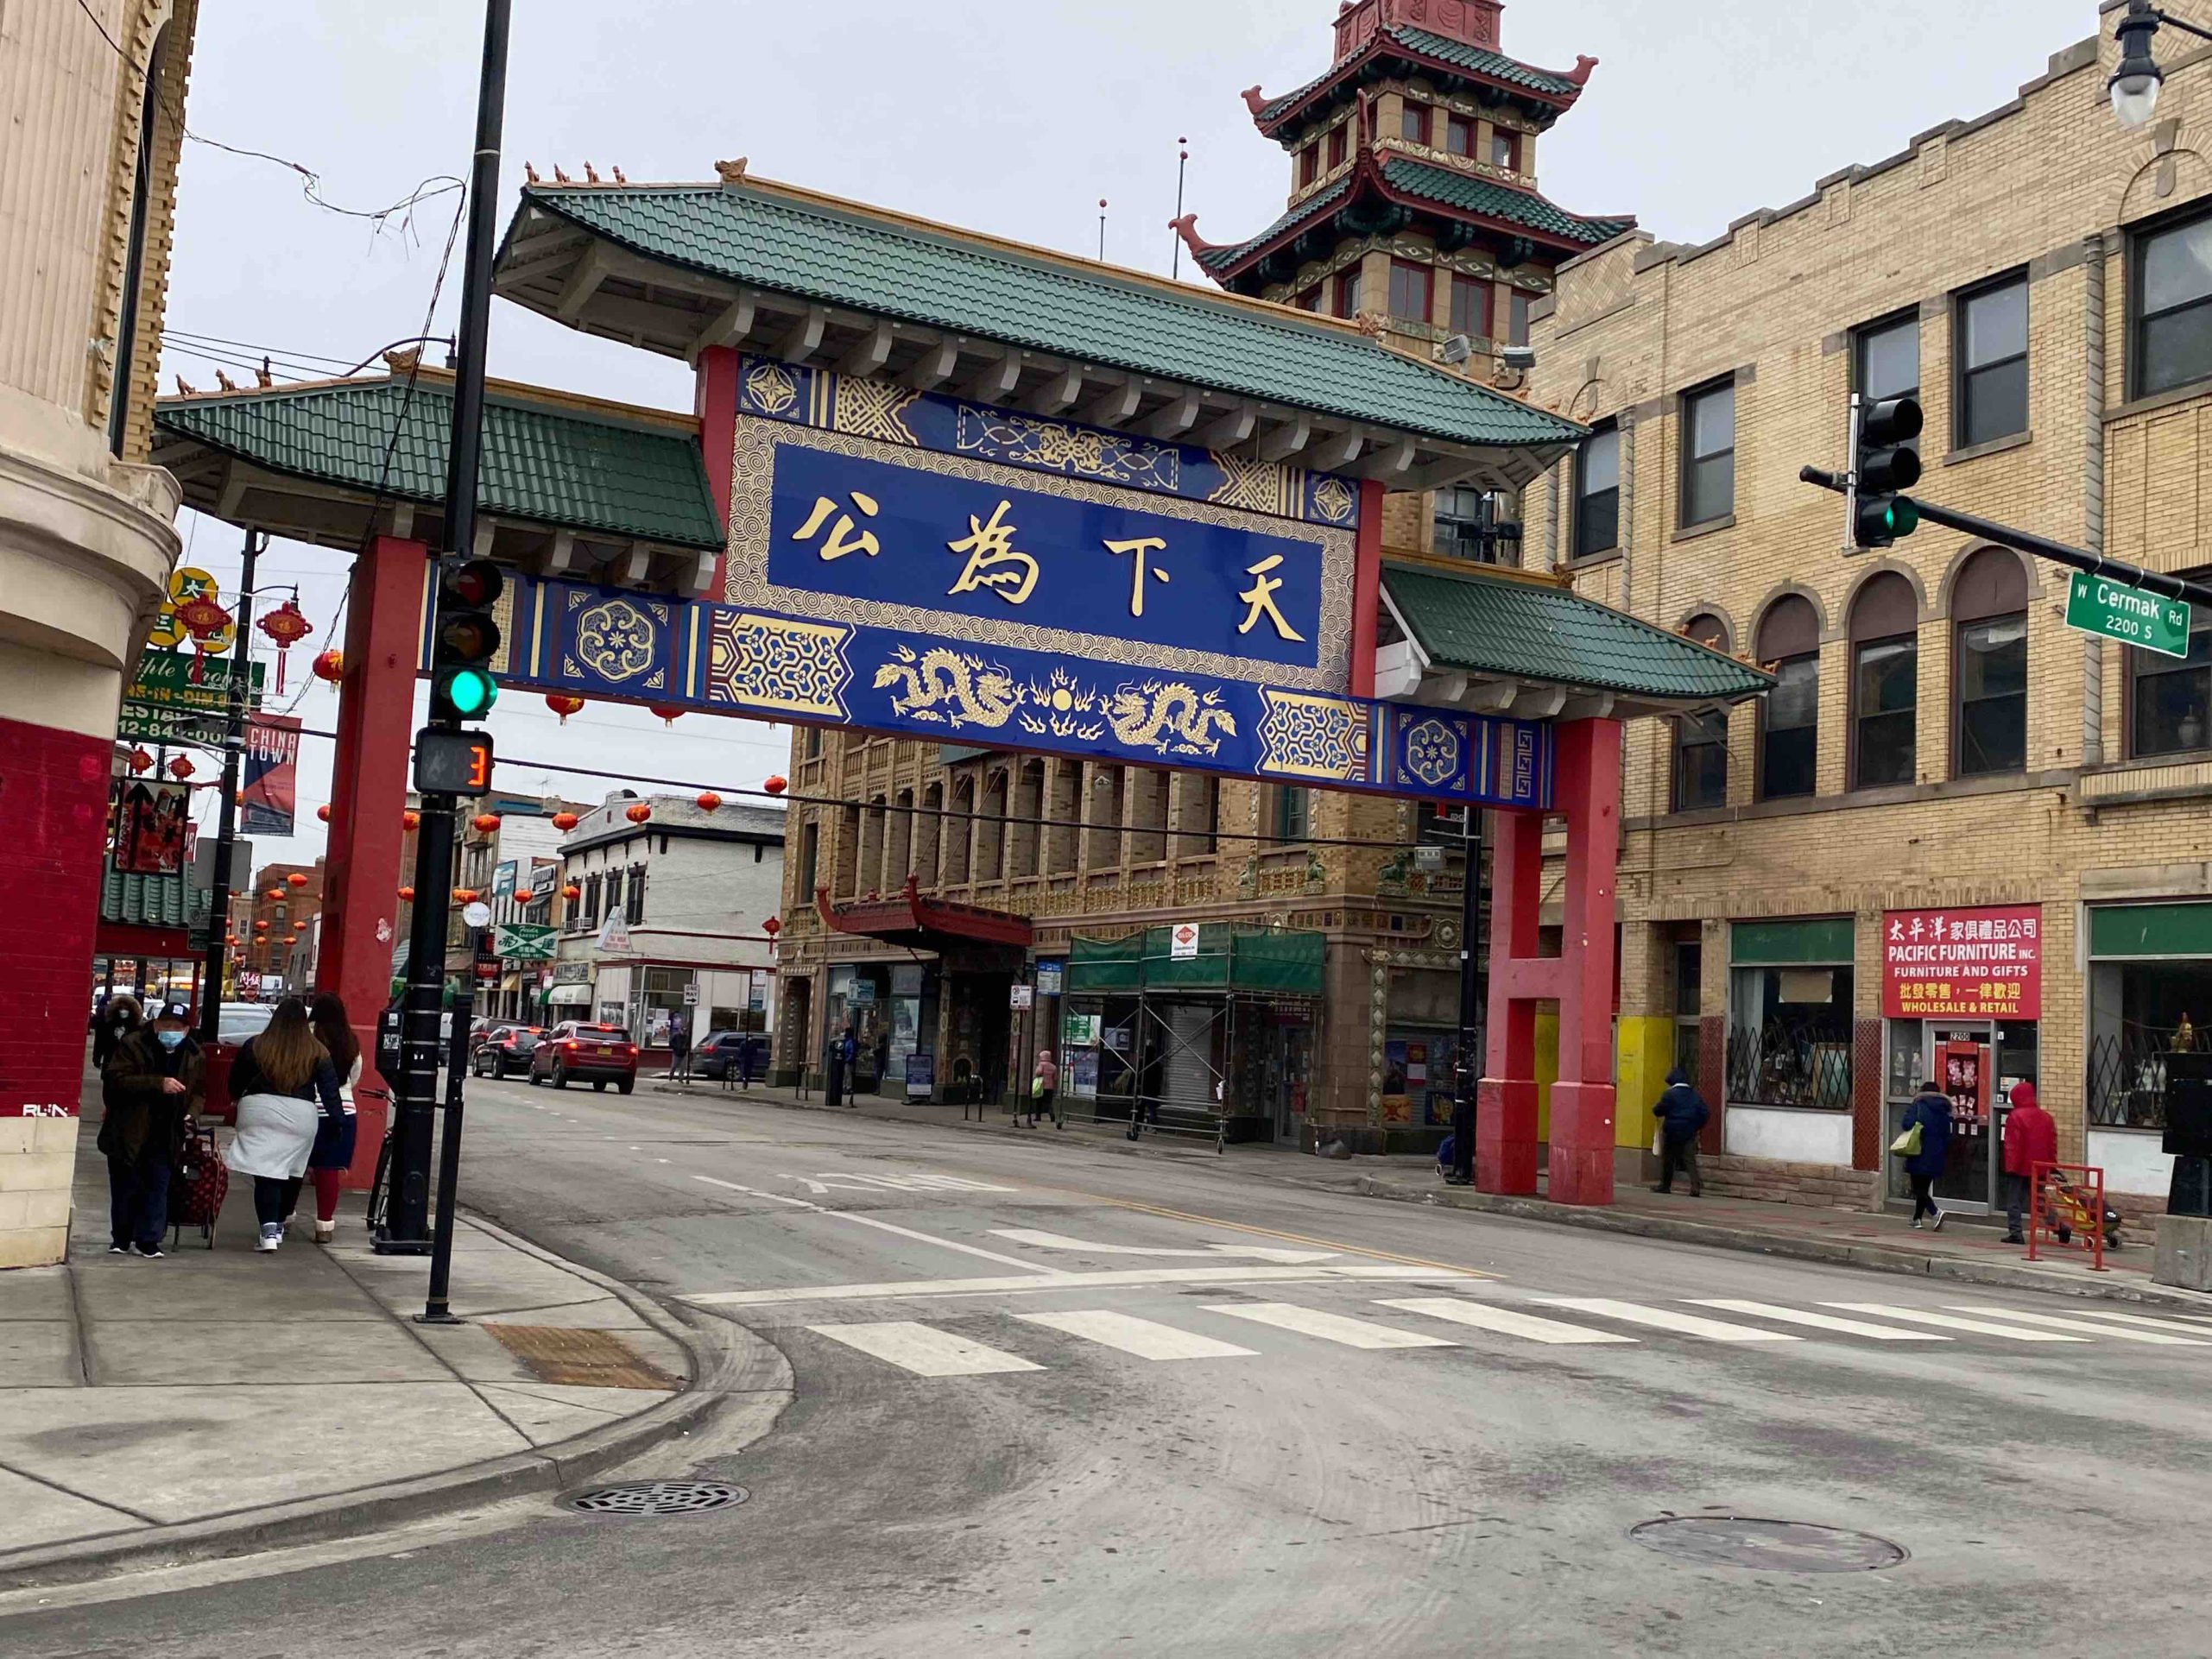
[923, 1350]
[1952, 1322]
[1504, 1322]
[1819, 1322]
[2118, 1332]
[1145, 1338]
[1329, 1327]
[2181, 1326]
[1712, 1330]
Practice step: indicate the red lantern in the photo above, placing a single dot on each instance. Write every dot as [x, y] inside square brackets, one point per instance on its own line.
[710, 802]
[572, 892]
[525, 895]
[330, 666]
[288, 628]
[407, 895]
[296, 879]
[773, 926]
[230, 939]
[777, 785]
[140, 760]
[207, 622]
[564, 704]
[323, 813]
[465, 895]
[180, 768]
[639, 813]
[273, 894]
[411, 821]
[485, 823]
[566, 822]
[670, 713]
[298, 927]
[261, 927]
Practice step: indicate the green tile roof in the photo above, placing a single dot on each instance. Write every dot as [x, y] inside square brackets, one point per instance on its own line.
[545, 463]
[1468, 193]
[1222, 259]
[798, 243]
[1474, 59]
[1476, 623]
[150, 901]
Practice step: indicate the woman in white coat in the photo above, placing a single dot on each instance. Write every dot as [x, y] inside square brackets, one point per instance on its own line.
[285, 1086]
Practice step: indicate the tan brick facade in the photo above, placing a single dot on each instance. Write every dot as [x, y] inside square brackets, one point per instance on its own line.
[2048, 186]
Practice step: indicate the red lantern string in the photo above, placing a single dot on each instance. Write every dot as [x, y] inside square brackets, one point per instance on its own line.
[288, 627]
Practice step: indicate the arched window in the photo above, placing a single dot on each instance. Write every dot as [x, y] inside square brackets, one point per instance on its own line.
[1701, 738]
[1989, 664]
[1885, 682]
[1789, 721]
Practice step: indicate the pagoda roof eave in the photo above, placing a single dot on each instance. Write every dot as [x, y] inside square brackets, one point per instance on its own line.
[1551, 92]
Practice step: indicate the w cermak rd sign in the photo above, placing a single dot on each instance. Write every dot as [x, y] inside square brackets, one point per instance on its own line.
[2112, 610]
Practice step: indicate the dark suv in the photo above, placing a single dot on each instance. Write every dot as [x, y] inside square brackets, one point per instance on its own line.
[581, 1051]
[505, 1049]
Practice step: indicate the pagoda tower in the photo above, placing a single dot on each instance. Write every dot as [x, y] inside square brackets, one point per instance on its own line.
[1414, 209]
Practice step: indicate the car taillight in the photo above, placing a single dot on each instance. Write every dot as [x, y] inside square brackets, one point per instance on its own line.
[568, 1047]
[630, 1049]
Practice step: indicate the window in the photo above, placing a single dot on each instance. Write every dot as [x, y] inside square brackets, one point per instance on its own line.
[1597, 493]
[1886, 361]
[1293, 814]
[814, 743]
[810, 858]
[1709, 454]
[1992, 348]
[1471, 306]
[2171, 706]
[1885, 682]
[1413, 291]
[1505, 149]
[1517, 316]
[1790, 1036]
[1459, 135]
[1340, 143]
[1789, 720]
[1347, 293]
[1701, 738]
[1309, 164]
[633, 903]
[1311, 299]
[1437, 825]
[1414, 123]
[1472, 524]
[1989, 619]
[2170, 330]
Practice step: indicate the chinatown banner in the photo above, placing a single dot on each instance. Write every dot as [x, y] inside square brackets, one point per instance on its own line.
[1963, 964]
[272, 774]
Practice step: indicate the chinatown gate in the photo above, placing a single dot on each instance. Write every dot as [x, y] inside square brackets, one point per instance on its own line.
[939, 486]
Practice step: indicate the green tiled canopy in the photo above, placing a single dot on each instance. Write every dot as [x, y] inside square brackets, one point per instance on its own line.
[554, 465]
[1496, 625]
[1474, 59]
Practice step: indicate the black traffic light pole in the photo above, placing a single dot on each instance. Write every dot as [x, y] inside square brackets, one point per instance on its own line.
[227, 820]
[407, 1230]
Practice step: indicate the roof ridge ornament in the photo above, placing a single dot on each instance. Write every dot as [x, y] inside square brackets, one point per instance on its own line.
[733, 172]
[1256, 101]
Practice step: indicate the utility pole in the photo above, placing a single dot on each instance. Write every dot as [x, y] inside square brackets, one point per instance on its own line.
[1469, 1073]
[227, 820]
[466, 691]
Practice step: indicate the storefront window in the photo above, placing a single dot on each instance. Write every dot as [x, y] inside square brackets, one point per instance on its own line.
[2139, 1014]
[1789, 1036]
[661, 1002]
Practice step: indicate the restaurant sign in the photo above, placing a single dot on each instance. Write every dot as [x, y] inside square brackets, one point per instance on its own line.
[1964, 964]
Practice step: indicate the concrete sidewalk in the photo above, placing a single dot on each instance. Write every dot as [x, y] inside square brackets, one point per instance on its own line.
[220, 1400]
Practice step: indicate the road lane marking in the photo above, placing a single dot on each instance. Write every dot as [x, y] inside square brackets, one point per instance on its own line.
[1504, 1322]
[2118, 1334]
[880, 1224]
[1711, 1330]
[2147, 1324]
[834, 1182]
[1329, 1327]
[1144, 1338]
[1212, 1252]
[925, 1352]
[1952, 1322]
[1117, 1280]
[1819, 1322]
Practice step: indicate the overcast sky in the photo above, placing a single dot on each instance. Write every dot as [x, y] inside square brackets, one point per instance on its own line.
[1012, 118]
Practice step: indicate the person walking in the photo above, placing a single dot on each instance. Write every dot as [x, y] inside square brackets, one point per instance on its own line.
[2030, 1137]
[119, 1016]
[278, 1080]
[1931, 1112]
[1683, 1115]
[842, 1049]
[679, 1049]
[153, 1080]
[748, 1049]
[334, 1137]
[1043, 1087]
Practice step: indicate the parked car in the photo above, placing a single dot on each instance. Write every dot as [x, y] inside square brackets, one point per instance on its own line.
[716, 1056]
[505, 1049]
[236, 1021]
[482, 1029]
[581, 1051]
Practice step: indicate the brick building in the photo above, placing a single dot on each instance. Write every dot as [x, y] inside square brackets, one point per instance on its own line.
[1943, 759]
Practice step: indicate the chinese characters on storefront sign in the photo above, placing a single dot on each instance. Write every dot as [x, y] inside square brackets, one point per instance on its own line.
[1963, 964]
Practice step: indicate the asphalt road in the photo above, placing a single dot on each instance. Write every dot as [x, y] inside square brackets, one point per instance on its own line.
[1054, 1400]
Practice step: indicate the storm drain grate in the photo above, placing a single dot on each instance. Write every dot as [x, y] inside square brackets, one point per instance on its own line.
[643, 1498]
[1768, 1546]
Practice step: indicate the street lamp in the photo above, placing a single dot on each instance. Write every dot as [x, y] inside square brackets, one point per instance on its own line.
[2134, 84]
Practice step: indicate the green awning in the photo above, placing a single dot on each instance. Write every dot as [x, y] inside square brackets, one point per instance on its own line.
[1230, 961]
[2150, 932]
[1821, 941]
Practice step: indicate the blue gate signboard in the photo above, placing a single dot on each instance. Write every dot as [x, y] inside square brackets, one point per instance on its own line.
[929, 567]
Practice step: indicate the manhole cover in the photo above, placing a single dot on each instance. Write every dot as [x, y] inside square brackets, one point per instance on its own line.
[1771, 1546]
[656, 1498]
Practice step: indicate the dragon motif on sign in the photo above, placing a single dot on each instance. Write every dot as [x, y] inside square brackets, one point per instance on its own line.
[1171, 718]
[977, 693]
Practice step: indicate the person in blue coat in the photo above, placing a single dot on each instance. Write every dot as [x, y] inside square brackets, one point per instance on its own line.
[1683, 1115]
[1931, 1110]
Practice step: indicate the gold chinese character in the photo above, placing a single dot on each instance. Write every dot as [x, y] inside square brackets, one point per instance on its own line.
[1143, 549]
[988, 547]
[842, 540]
[1261, 596]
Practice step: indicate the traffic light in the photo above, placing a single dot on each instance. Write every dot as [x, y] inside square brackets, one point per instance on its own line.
[464, 641]
[1884, 464]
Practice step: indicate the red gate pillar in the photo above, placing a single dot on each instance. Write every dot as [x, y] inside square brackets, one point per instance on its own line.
[361, 881]
[1583, 1100]
[1504, 1115]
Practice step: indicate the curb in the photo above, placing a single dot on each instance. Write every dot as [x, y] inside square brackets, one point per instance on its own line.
[724, 1359]
[1881, 1258]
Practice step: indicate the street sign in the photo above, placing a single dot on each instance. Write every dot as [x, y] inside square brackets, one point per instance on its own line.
[487, 969]
[2112, 610]
[525, 942]
[1025, 998]
[1183, 942]
[1052, 978]
[614, 934]
[692, 994]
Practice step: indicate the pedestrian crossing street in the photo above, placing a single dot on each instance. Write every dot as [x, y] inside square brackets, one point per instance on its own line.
[1207, 1333]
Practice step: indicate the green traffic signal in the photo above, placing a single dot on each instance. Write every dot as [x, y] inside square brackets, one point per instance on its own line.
[465, 641]
[464, 693]
[1885, 518]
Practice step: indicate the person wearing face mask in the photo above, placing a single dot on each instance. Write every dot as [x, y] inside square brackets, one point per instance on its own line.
[156, 1080]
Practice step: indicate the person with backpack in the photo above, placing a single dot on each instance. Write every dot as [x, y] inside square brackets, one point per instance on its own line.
[1683, 1115]
[153, 1084]
[278, 1080]
[334, 1137]
[1925, 1145]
